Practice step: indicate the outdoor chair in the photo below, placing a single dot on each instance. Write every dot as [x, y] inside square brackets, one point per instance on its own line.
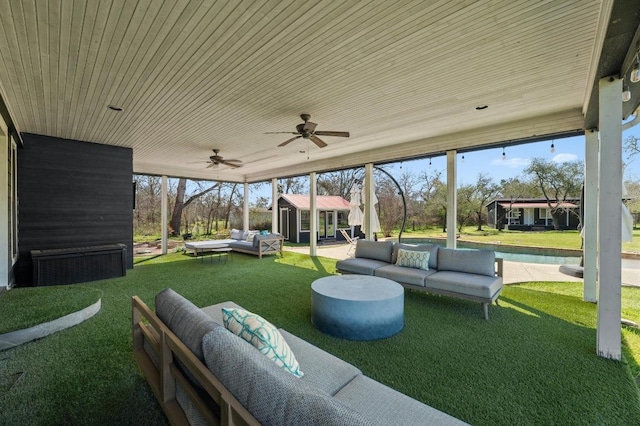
[350, 240]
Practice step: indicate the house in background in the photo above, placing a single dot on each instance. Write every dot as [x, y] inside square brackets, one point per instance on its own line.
[532, 214]
[294, 217]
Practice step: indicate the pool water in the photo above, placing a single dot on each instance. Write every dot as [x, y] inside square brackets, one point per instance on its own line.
[538, 258]
[512, 257]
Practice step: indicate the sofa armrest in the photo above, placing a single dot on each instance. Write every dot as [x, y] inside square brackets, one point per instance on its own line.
[150, 334]
[270, 245]
[499, 266]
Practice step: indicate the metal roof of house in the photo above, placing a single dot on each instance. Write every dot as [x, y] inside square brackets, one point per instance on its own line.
[323, 202]
[407, 79]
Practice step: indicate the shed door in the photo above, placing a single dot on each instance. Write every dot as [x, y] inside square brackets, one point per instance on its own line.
[284, 222]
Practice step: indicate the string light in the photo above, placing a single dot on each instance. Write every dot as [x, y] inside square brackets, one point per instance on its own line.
[462, 159]
[504, 154]
[429, 162]
[553, 147]
[626, 93]
[635, 73]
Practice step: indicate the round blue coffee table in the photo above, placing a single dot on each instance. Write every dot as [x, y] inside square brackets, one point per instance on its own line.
[357, 307]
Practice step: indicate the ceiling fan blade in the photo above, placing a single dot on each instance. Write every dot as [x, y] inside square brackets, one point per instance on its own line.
[331, 133]
[290, 140]
[210, 164]
[317, 141]
[227, 163]
[233, 161]
[280, 133]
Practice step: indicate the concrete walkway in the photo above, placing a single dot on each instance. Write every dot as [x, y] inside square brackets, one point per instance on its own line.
[514, 272]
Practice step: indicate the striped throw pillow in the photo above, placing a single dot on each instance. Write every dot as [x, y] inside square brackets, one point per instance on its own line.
[413, 259]
[263, 335]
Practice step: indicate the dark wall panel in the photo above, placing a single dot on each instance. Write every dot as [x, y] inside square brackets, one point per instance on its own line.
[72, 194]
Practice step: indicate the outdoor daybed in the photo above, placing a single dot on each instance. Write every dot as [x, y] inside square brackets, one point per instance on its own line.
[466, 274]
[201, 373]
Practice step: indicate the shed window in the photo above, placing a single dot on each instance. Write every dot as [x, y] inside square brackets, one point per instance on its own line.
[305, 220]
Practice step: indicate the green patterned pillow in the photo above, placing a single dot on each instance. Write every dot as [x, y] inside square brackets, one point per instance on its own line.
[413, 259]
[263, 335]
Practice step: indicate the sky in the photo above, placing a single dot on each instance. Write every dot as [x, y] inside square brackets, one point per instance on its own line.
[489, 161]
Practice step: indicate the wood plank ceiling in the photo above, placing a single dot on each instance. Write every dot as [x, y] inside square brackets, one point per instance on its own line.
[404, 77]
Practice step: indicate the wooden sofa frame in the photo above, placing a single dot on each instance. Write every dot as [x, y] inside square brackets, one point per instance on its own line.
[150, 334]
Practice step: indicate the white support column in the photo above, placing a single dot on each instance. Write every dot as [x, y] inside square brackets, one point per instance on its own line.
[5, 243]
[609, 343]
[313, 215]
[245, 208]
[164, 214]
[274, 205]
[452, 198]
[590, 216]
[369, 209]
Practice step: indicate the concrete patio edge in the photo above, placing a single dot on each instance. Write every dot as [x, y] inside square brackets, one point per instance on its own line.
[18, 337]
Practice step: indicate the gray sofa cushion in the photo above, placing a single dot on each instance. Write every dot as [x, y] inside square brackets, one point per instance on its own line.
[465, 283]
[480, 262]
[375, 250]
[244, 245]
[237, 234]
[386, 406]
[185, 319]
[215, 311]
[359, 266]
[404, 275]
[322, 371]
[431, 248]
[270, 394]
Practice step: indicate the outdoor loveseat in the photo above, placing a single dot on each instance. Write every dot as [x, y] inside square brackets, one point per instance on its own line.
[466, 274]
[201, 373]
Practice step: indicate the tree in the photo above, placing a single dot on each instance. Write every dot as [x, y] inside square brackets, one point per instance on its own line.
[434, 195]
[338, 183]
[291, 185]
[632, 146]
[466, 204]
[483, 190]
[180, 203]
[557, 182]
[633, 203]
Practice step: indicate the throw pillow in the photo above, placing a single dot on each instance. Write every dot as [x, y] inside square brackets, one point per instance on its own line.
[250, 236]
[263, 335]
[413, 259]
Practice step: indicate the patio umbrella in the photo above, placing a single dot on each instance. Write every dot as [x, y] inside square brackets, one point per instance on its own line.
[355, 213]
[375, 221]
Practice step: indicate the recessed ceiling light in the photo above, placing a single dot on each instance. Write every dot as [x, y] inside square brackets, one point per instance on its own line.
[115, 108]
[479, 107]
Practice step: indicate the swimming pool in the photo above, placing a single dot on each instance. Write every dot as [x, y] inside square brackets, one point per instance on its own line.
[512, 254]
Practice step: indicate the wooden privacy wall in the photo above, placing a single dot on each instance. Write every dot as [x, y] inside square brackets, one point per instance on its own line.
[72, 194]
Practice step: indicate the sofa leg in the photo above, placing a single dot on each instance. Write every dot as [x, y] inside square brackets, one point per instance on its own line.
[485, 308]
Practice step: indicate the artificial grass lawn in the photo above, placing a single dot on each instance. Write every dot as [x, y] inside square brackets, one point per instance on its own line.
[533, 362]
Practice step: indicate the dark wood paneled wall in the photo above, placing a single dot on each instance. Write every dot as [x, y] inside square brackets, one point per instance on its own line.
[72, 194]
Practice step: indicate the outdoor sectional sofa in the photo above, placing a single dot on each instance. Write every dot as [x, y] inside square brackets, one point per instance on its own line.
[466, 274]
[257, 244]
[201, 373]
